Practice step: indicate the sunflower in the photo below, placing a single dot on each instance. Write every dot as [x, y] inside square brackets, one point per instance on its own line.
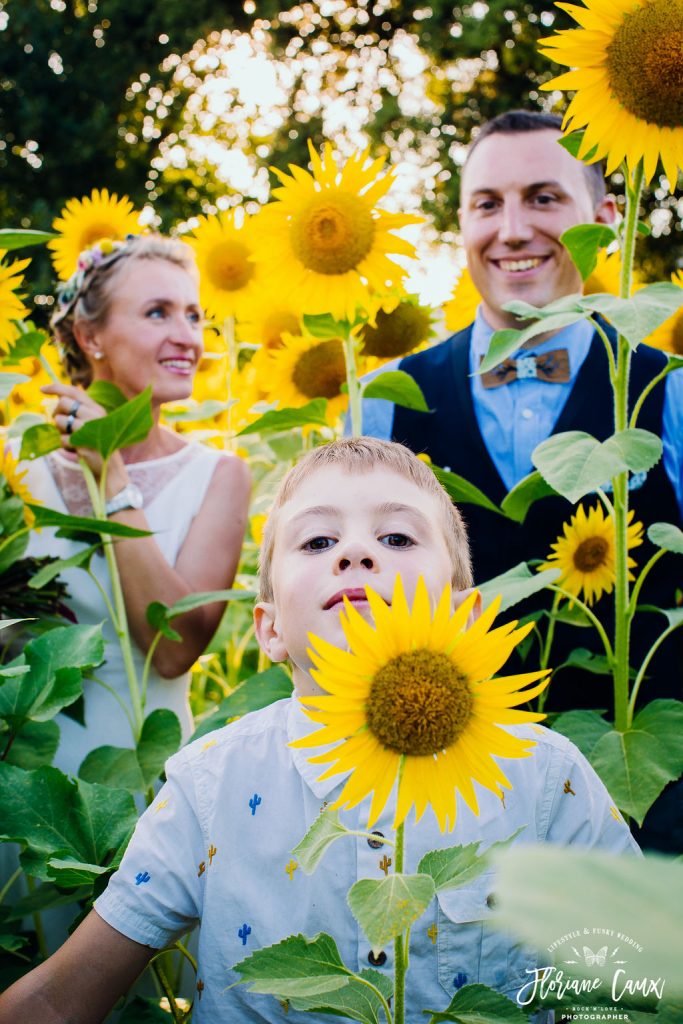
[15, 482]
[461, 308]
[415, 692]
[399, 327]
[327, 231]
[305, 368]
[27, 396]
[626, 57]
[670, 335]
[265, 319]
[11, 306]
[586, 553]
[85, 221]
[229, 278]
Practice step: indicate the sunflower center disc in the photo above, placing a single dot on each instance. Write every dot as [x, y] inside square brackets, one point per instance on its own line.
[96, 233]
[228, 267]
[274, 327]
[321, 371]
[419, 703]
[677, 338]
[333, 234]
[591, 554]
[644, 62]
[397, 332]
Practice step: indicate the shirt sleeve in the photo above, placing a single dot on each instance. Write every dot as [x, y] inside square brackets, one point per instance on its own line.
[580, 810]
[156, 895]
[672, 433]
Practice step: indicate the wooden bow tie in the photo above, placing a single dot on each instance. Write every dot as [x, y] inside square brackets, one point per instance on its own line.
[552, 367]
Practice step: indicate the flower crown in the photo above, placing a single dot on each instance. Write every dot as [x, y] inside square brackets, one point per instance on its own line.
[101, 254]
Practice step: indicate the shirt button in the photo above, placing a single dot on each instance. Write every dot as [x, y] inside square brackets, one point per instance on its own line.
[379, 960]
[375, 844]
[491, 900]
[527, 414]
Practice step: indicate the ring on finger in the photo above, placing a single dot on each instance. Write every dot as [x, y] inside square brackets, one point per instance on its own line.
[74, 408]
[70, 420]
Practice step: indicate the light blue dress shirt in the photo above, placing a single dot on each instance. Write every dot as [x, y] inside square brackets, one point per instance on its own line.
[515, 418]
[216, 847]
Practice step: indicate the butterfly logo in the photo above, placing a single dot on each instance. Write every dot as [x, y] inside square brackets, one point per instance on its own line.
[591, 958]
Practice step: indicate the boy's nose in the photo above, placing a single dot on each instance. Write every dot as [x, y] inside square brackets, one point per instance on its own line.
[355, 556]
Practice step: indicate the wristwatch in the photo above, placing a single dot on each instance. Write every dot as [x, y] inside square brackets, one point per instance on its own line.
[129, 497]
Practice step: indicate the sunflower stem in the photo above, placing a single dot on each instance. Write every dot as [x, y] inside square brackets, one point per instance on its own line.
[352, 383]
[622, 623]
[399, 941]
[545, 652]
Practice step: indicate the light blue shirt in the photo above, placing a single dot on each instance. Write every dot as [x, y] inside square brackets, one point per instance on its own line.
[216, 847]
[515, 418]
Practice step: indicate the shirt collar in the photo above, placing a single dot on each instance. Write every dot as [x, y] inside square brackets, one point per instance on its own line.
[576, 339]
[298, 726]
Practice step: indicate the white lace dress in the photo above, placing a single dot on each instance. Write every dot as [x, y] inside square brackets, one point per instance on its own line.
[173, 488]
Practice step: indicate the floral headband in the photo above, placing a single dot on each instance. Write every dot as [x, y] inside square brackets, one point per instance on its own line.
[101, 254]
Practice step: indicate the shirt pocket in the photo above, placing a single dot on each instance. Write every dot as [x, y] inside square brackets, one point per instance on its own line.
[469, 950]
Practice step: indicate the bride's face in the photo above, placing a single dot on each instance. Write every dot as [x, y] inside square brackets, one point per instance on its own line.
[152, 333]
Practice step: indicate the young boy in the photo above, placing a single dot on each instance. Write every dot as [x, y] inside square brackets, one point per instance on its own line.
[215, 847]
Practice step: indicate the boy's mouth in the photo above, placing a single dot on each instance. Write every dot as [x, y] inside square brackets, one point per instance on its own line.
[356, 595]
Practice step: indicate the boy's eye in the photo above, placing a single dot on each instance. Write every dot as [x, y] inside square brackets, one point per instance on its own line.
[318, 544]
[397, 540]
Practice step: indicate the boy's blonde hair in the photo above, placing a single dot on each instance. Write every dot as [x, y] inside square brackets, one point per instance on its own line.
[360, 455]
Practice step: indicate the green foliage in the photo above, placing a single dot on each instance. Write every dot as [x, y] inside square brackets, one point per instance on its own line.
[398, 387]
[666, 536]
[636, 318]
[258, 691]
[13, 238]
[106, 394]
[324, 831]
[324, 326]
[39, 440]
[386, 908]
[584, 242]
[9, 381]
[458, 865]
[54, 816]
[519, 500]
[297, 966]
[462, 491]
[357, 1000]
[641, 898]
[135, 770]
[516, 585]
[126, 425]
[477, 1004]
[575, 463]
[287, 419]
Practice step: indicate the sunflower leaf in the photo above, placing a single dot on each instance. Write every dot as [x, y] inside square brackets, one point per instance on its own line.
[398, 387]
[126, 425]
[504, 343]
[583, 728]
[479, 1004]
[355, 1001]
[639, 897]
[106, 394]
[324, 831]
[324, 326]
[637, 764]
[516, 585]
[80, 560]
[583, 242]
[643, 313]
[573, 142]
[575, 463]
[385, 908]
[137, 769]
[457, 865]
[287, 419]
[297, 966]
[39, 440]
[9, 381]
[256, 692]
[519, 500]
[20, 238]
[461, 490]
[666, 536]
[27, 345]
[78, 524]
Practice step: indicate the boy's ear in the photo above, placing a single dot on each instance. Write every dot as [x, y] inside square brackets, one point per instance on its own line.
[460, 595]
[267, 634]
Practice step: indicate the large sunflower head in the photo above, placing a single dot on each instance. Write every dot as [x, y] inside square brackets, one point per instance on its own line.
[627, 78]
[328, 231]
[267, 318]
[229, 278]
[84, 222]
[399, 327]
[12, 481]
[415, 691]
[669, 336]
[11, 306]
[585, 553]
[305, 368]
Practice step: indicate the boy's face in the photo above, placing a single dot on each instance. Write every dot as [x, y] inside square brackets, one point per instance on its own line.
[339, 532]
